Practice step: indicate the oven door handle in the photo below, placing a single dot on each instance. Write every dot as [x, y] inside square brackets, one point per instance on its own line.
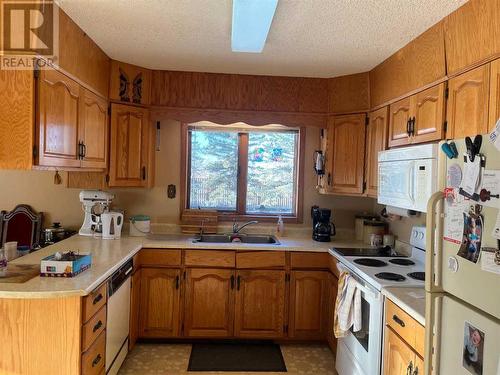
[368, 291]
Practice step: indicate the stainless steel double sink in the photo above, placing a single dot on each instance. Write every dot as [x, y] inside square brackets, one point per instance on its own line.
[237, 238]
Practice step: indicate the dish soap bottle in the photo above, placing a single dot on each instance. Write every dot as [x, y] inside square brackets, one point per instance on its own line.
[280, 227]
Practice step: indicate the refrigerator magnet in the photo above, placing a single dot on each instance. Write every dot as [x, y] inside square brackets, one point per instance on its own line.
[489, 195]
[495, 135]
[490, 260]
[472, 233]
[454, 175]
[473, 350]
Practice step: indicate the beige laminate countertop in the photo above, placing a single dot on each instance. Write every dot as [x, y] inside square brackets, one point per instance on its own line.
[109, 255]
[411, 300]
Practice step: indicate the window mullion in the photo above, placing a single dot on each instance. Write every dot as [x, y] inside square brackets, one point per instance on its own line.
[242, 173]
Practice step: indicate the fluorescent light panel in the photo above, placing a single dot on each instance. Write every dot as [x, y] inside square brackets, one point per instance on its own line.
[251, 23]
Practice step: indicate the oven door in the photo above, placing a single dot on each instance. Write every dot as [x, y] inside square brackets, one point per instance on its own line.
[359, 352]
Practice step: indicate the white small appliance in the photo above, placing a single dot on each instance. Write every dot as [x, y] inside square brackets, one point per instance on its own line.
[94, 202]
[407, 176]
[140, 225]
[112, 223]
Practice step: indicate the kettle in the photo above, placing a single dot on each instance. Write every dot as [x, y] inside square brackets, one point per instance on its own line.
[112, 223]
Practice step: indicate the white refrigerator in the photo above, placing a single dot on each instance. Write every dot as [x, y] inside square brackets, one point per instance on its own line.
[462, 275]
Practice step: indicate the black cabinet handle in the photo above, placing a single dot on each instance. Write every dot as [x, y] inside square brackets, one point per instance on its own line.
[412, 125]
[96, 360]
[232, 281]
[238, 282]
[97, 299]
[80, 150]
[398, 320]
[143, 173]
[97, 326]
[415, 372]
[408, 126]
[177, 282]
[84, 150]
[329, 179]
[409, 369]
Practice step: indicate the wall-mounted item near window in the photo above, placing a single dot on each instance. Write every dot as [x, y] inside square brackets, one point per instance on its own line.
[243, 170]
[130, 83]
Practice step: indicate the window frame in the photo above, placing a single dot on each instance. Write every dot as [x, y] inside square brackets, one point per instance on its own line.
[240, 214]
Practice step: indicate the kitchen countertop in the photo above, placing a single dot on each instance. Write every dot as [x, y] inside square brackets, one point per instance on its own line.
[411, 300]
[109, 255]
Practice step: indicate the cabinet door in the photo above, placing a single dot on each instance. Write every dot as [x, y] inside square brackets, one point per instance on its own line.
[428, 112]
[130, 146]
[398, 356]
[494, 108]
[348, 153]
[260, 304]
[309, 300]
[209, 303]
[160, 297]
[58, 120]
[376, 140]
[467, 111]
[135, 300]
[418, 366]
[399, 114]
[94, 130]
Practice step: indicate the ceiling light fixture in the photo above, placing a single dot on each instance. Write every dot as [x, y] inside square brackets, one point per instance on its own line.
[251, 23]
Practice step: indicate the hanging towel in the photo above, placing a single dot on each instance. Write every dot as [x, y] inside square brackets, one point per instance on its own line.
[347, 306]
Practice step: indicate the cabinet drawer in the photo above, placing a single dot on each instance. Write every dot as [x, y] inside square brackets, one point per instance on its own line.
[209, 258]
[405, 326]
[260, 259]
[309, 260]
[160, 257]
[93, 302]
[93, 359]
[93, 328]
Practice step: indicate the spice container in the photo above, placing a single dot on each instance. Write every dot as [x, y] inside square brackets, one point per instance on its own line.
[373, 227]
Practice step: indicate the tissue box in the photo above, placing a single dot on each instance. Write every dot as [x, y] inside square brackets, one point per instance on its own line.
[69, 265]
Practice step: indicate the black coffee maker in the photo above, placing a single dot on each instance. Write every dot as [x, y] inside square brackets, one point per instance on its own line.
[323, 228]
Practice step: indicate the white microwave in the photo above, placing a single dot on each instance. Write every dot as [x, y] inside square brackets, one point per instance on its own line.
[407, 177]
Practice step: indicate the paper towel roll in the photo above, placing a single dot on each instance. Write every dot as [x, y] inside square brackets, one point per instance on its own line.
[391, 210]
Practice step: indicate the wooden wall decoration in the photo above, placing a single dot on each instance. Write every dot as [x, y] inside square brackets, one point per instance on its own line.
[418, 64]
[348, 94]
[129, 83]
[472, 35]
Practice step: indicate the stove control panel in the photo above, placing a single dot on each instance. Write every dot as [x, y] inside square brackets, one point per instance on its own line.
[418, 237]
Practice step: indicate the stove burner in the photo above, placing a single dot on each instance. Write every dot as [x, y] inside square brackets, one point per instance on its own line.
[417, 275]
[370, 262]
[402, 262]
[390, 276]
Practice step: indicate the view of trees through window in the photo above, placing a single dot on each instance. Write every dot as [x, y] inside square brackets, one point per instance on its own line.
[216, 157]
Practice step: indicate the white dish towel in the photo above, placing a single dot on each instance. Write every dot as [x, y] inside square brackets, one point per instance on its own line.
[347, 306]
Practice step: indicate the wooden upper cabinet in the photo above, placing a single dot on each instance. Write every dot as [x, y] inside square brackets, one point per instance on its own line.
[130, 161]
[428, 114]
[209, 303]
[494, 108]
[399, 115]
[346, 154]
[260, 304]
[160, 302]
[58, 120]
[398, 356]
[376, 140]
[309, 304]
[467, 110]
[94, 130]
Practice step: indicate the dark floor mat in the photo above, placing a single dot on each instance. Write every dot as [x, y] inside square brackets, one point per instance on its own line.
[230, 356]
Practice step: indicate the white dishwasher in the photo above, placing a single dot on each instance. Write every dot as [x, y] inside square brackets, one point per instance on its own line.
[117, 327]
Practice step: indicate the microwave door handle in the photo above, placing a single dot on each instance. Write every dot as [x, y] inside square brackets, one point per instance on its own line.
[411, 183]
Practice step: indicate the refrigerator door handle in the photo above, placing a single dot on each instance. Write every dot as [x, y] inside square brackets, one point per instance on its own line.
[433, 261]
[433, 311]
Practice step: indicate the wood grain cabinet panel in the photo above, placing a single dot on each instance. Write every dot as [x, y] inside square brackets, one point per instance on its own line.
[399, 115]
[346, 135]
[58, 120]
[160, 302]
[260, 304]
[467, 108]
[494, 107]
[333, 288]
[94, 131]
[376, 141]
[309, 292]
[428, 114]
[209, 303]
[135, 303]
[398, 356]
[131, 145]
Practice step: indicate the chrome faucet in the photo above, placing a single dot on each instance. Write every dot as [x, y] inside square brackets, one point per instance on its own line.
[237, 228]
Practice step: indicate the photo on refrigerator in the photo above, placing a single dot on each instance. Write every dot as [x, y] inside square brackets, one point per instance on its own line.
[473, 349]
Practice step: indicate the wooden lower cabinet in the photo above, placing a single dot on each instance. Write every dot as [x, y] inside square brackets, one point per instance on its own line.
[333, 286]
[309, 299]
[135, 299]
[160, 302]
[260, 304]
[398, 356]
[209, 303]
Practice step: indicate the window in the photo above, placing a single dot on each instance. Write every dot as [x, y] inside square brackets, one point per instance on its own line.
[243, 171]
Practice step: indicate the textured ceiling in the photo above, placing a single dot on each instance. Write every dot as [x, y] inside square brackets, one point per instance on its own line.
[312, 38]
